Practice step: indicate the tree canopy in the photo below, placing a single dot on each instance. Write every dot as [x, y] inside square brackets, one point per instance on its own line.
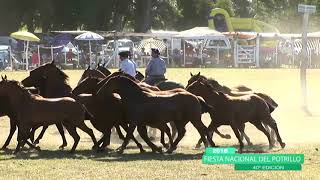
[142, 15]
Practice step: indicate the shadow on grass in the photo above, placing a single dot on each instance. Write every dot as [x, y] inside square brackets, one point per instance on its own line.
[181, 154]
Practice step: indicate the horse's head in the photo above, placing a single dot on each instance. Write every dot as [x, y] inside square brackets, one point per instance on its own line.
[87, 86]
[11, 88]
[104, 70]
[194, 78]
[91, 73]
[44, 72]
[204, 89]
[121, 85]
[198, 88]
[139, 76]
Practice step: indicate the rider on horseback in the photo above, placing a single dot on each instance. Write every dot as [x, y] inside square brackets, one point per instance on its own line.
[156, 68]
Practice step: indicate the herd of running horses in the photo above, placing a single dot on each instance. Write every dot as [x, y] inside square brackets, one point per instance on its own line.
[117, 100]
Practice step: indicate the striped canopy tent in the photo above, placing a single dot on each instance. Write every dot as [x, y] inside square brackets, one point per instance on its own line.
[149, 43]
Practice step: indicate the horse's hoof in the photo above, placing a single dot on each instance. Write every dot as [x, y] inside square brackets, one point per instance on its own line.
[4, 148]
[167, 146]
[227, 136]
[38, 148]
[250, 144]
[198, 146]
[142, 151]
[159, 149]
[62, 146]
[283, 145]
[120, 150]
[271, 146]
[95, 147]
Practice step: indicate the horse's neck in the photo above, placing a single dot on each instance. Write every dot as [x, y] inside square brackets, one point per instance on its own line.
[57, 88]
[18, 101]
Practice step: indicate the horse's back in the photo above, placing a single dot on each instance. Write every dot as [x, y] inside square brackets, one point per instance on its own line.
[168, 85]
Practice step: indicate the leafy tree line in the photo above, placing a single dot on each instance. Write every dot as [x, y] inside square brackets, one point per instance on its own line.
[142, 15]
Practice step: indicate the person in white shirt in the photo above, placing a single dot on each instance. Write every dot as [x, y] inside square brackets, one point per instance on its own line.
[126, 65]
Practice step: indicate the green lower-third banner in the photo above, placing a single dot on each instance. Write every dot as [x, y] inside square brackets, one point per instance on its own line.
[267, 167]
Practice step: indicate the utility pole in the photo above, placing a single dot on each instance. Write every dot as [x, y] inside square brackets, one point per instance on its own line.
[306, 10]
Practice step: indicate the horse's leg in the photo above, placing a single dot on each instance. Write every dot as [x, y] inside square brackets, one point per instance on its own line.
[165, 129]
[44, 128]
[270, 131]
[119, 132]
[73, 132]
[224, 136]
[61, 131]
[272, 123]
[204, 132]
[125, 127]
[144, 135]
[259, 126]
[243, 134]
[181, 132]
[13, 127]
[22, 137]
[173, 129]
[106, 138]
[236, 132]
[89, 131]
[129, 136]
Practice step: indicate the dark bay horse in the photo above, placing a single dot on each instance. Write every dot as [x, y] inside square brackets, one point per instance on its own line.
[235, 111]
[107, 112]
[238, 91]
[35, 111]
[52, 83]
[144, 108]
[91, 72]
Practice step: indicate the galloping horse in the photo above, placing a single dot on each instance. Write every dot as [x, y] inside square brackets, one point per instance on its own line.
[145, 108]
[239, 90]
[52, 83]
[35, 111]
[235, 111]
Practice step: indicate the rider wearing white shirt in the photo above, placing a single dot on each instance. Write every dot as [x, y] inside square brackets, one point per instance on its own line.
[126, 65]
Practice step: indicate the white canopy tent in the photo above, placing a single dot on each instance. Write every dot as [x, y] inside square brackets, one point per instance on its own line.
[212, 39]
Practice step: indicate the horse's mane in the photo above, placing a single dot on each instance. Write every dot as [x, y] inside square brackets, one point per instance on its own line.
[25, 92]
[212, 81]
[126, 80]
[62, 75]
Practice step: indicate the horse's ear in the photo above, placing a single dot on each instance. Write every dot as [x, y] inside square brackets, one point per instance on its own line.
[191, 74]
[5, 77]
[198, 74]
[103, 64]
[88, 67]
[2, 78]
[52, 62]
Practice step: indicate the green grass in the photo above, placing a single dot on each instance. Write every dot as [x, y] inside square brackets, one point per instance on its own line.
[299, 131]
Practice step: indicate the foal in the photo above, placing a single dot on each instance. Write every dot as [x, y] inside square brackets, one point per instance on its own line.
[235, 111]
[35, 111]
[146, 108]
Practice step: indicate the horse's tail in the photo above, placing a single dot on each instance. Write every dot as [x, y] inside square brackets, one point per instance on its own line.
[270, 102]
[205, 108]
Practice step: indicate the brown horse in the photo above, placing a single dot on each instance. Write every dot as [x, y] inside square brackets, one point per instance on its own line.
[104, 70]
[109, 108]
[238, 91]
[235, 111]
[91, 72]
[52, 83]
[144, 108]
[35, 111]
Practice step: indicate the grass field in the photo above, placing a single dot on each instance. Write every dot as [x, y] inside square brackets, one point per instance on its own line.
[299, 131]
